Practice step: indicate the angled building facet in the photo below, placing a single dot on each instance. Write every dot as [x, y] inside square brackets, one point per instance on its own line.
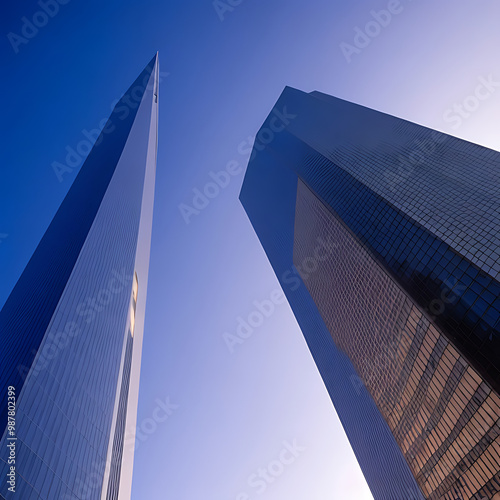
[385, 237]
[72, 327]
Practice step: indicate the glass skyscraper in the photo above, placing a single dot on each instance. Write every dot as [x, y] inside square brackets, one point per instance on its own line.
[71, 330]
[385, 237]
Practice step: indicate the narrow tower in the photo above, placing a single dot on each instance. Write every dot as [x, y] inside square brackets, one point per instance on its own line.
[71, 330]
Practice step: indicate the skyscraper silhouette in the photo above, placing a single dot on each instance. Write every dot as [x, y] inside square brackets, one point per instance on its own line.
[385, 237]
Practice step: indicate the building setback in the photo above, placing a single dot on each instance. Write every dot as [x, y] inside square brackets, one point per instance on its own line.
[385, 236]
[72, 328]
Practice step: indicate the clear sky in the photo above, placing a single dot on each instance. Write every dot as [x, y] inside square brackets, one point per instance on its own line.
[220, 77]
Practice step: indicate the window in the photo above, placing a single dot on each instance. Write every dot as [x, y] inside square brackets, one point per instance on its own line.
[133, 304]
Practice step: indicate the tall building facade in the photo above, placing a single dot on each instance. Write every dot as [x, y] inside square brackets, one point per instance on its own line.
[385, 237]
[72, 328]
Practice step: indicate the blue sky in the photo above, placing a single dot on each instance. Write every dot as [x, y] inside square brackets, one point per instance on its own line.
[220, 78]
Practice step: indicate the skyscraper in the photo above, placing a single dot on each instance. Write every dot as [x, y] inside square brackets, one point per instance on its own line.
[71, 330]
[385, 237]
